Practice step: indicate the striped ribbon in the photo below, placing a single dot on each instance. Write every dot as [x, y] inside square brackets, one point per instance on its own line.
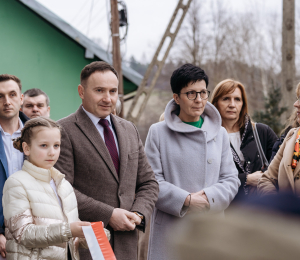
[97, 241]
[296, 154]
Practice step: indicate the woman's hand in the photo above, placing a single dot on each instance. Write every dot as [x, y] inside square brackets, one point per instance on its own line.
[253, 178]
[76, 228]
[197, 201]
[2, 246]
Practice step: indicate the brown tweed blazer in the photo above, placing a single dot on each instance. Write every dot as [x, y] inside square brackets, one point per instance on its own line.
[87, 164]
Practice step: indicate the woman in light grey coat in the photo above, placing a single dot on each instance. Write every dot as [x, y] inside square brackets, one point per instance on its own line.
[190, 155]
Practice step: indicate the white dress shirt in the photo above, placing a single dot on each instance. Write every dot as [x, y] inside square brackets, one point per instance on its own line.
[100, 128]
[14, 157]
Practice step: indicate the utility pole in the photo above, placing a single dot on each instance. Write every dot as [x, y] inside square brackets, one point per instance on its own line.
[116, 53]
[288, 54]
[144, 91]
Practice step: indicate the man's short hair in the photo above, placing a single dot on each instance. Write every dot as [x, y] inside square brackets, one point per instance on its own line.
[187, 73]
[7, 77]
[95, 66]
[34, 92]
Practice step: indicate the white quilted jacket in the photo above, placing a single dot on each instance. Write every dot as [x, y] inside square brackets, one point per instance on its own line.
[36, 226]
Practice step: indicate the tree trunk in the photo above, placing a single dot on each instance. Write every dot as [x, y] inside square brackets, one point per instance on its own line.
[288, 54]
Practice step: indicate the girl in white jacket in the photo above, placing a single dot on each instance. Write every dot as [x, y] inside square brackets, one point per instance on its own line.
[39, 205]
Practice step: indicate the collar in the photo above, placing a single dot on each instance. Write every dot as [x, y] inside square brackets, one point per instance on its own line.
[96, 119]
[43, 174]
[18, 130]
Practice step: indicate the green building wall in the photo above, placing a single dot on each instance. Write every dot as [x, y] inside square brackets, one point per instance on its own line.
[42, 57]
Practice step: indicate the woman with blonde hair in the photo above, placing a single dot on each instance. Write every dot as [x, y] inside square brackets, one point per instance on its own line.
[230, 98]
[292, 122]
[284, 171]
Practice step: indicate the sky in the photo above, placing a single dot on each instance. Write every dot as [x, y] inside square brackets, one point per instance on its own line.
[148, 20]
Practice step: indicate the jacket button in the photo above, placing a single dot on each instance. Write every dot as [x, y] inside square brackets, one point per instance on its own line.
[249, 162]
[209, 160]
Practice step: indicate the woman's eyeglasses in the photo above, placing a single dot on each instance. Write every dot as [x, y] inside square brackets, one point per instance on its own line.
[192, 95]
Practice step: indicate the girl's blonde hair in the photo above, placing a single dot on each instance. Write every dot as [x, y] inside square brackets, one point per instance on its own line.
[229, 86]
[27, 132]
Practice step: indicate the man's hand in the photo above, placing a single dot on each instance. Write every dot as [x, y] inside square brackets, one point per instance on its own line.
[76, 228]
[253, 178]
[2, 245]
[136, 221]
[123, 220]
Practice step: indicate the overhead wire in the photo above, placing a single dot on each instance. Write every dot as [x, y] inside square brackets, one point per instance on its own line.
[109, 29]
[79, 11]
[90, 16]
[99, 18]
[83, 21]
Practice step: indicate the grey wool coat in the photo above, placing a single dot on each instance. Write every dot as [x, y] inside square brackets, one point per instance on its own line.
[186, 159]
[87, 164]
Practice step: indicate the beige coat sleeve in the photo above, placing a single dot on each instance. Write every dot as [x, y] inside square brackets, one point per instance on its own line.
[269, 180]
[20, 222]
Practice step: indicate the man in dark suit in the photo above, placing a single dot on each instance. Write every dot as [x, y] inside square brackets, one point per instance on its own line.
[11, 124]
[103, 158]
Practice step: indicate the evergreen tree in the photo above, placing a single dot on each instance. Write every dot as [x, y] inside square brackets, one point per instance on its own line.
[137, 66]
[272, 113]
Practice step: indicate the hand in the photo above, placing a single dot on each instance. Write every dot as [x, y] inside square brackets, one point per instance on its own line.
[253, 178]
[136, 221]
[76, 228]
[204, 196]
[123, 220]
[199, 201]
[2, 245]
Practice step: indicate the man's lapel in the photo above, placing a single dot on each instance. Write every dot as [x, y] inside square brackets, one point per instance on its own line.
[3, 157]
[122, 141]
[88, 128]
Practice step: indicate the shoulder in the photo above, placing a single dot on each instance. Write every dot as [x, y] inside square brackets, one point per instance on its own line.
[66, 121]
[122, 121]
[17, 179]
[292, 132]
[159, 126]
[128, 127]
[222, 133]
[264, 128]
[159, 129]
[222, 137]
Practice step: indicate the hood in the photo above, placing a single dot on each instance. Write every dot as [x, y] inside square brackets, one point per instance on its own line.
[211, 126]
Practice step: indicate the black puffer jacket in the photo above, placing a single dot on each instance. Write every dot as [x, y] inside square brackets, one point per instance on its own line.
[249, 149]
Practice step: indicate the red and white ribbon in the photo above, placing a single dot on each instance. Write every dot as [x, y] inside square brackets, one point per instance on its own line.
[97, 241]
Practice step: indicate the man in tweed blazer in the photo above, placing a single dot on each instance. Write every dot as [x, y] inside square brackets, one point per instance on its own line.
[108, 168]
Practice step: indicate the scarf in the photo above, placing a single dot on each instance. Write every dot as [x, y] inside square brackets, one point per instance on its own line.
[296, 154]
[245, 168]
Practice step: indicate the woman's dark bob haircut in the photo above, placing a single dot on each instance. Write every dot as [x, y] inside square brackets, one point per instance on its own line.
[186, 74]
